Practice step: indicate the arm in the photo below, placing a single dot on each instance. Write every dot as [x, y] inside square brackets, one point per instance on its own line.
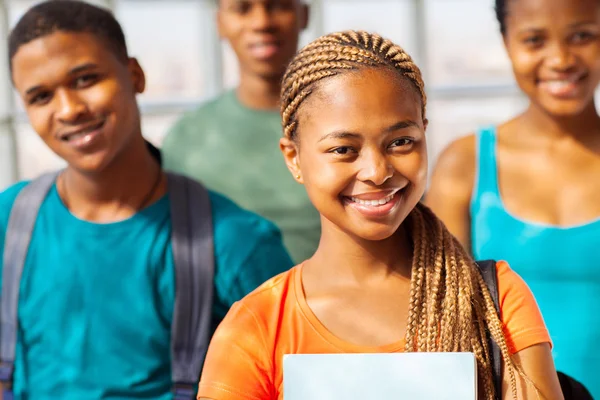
[537, 365]
[238, 364]
[527, 339]
[451, 188]
[267, 259]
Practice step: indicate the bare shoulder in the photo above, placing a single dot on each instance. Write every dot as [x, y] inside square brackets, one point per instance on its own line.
[457, 160]
[454, 172]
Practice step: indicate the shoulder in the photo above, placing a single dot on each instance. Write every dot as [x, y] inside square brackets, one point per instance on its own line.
[452, 181]
[239, 362]
[7, 199]
[261, 308]
[197, 118]
[268, 299]
[249, 249]
[523, 323]
[457, 160]
[228, 218]
[192, 121]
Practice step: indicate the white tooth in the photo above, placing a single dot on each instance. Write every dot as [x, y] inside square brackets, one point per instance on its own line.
[383, 201]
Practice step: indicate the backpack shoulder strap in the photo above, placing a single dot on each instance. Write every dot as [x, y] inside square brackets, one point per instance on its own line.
[490, 276]
[193, 251]
[16, 243]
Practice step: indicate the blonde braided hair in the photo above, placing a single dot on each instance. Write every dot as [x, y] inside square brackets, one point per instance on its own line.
[451, 308]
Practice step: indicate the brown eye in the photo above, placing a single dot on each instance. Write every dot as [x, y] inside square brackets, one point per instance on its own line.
[40, 98]
[402, 142]
[533, 41]
[86, 80]
[343, 150]
[582, 37]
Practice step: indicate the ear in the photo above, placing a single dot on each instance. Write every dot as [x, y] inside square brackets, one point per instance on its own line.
[425, 124]
[289, 148]
[304, 16]
[138, 78]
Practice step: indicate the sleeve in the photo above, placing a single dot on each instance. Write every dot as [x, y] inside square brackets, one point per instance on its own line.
[267, 258]
[237, 364]
[523, 323]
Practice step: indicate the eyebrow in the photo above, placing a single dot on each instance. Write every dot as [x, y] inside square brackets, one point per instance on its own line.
[572, 26]
[352, 135]
[73, 71]
[582, 23]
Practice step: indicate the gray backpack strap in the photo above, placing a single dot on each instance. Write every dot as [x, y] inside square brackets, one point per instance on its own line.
[490, 276]
[16, 243]
[193, 251]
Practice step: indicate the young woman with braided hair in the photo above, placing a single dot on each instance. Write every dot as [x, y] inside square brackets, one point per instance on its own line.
[527, 190]
[387, 276]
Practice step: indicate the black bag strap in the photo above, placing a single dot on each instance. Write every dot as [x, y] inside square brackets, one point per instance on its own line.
[16, 242]
[490, 276]
[193, 251]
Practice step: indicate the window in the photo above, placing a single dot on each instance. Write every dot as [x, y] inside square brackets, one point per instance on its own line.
[456, 43]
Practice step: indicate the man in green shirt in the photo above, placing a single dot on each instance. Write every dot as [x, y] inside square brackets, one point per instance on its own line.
[231, 143]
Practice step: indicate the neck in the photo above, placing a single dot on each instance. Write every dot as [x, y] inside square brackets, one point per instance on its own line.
[115, 192]
[259, 93]
[581, 127]
[345, 257]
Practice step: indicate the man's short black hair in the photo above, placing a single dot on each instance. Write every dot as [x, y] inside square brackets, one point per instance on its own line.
[67, 16]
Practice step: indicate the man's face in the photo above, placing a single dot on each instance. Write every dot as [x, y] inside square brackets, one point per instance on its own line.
[263, 33]
[80, 97]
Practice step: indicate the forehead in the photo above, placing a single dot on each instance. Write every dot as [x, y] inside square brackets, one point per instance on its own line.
[52, 56]
[551, 13]
[361, 100]
[227, 3]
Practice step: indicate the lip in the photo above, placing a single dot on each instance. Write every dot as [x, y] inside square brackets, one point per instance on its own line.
[378, 211]
[83, 137]
[264, 49]
[563, 87]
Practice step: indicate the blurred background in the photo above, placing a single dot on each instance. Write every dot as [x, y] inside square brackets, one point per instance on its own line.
[456, 43]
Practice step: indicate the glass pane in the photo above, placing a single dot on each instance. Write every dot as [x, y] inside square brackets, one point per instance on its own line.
[33, 155]
[464, 45]
[6, 157]
[155, 126]
[393, 19]
[450, 118]
[35, 158]
[170, 43]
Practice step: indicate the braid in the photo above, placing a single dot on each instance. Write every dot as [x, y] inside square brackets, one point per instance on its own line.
[450, 307]
[457, 305]
[332, 54]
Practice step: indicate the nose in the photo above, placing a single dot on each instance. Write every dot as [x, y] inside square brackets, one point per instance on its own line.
[70, 106]
[374, 168]
[560, 57]
[260, 17]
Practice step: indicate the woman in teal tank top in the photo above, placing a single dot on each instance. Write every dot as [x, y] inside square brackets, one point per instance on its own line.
[528, 191]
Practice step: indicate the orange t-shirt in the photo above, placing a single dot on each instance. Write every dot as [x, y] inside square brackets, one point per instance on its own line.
[245, 358]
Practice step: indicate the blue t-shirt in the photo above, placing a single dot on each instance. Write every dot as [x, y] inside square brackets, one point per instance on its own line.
[96, 300]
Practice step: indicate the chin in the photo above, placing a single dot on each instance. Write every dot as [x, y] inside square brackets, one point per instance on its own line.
[375, 233]
[564, 108]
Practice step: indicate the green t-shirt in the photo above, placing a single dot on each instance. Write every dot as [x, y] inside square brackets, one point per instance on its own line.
[234, 150]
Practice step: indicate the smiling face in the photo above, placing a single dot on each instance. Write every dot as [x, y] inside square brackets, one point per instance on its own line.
[263, 33]
[80, 97]
[360, 151]
[554, 46]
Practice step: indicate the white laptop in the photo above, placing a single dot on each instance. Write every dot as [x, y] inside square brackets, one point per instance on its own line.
[390, 376]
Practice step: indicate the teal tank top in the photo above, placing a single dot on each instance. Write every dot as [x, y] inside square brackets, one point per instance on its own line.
[560, 265]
